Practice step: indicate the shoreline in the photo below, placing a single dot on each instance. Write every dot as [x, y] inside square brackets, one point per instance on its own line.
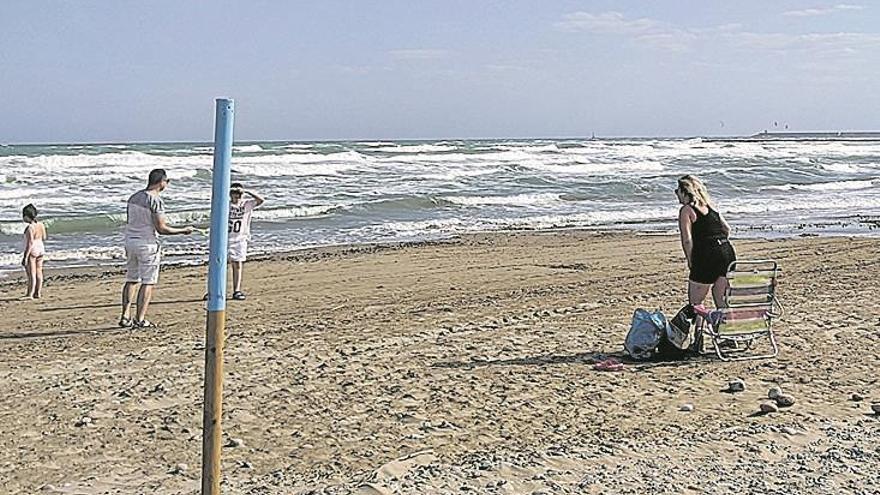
[52, 274]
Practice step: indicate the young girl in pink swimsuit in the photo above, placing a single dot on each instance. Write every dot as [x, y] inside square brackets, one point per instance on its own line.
[34, 250]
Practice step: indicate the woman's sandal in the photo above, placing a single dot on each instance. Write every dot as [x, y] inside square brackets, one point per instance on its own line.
[144, 324]
[609, 364]
[238, 295]
[124, 322]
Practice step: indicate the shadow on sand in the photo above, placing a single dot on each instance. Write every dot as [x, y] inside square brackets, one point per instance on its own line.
[587, 358]
[116, 305]
[62, 333]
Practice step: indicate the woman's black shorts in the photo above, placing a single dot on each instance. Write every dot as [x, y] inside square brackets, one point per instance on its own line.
[710, 259]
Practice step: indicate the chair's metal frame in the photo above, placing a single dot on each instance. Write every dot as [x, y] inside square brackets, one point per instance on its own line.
[744, 341]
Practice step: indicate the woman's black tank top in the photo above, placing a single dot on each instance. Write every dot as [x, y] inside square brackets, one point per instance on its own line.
[707, 227]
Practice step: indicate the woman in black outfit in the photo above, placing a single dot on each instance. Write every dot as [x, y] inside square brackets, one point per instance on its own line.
[704, 240]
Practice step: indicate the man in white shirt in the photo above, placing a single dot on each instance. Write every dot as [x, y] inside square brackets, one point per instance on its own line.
[240, 211]
[145, 220]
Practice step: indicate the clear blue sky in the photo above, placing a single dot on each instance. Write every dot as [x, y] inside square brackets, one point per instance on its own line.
[149, 70]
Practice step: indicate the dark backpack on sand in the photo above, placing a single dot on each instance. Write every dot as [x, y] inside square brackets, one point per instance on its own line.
[674, 342]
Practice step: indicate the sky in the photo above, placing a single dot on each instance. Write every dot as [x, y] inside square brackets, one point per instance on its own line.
[120, 71]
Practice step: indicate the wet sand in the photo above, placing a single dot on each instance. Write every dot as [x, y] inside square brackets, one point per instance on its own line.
[450, 367]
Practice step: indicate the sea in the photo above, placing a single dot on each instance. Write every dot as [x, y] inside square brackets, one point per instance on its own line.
[353, 192]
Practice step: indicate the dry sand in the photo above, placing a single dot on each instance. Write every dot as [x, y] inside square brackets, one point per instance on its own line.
[453, 367]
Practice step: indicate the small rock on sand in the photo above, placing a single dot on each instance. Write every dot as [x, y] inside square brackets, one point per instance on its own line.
[856, 397]
[686, 407]
[84, 421]
[876, 408]
[736, 385]
[774, 392]
[785, 400]
[769, 407]
[373, 489]
[179, 469]
[235, 443]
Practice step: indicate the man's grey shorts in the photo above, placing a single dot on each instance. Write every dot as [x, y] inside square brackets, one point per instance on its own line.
[142, 263]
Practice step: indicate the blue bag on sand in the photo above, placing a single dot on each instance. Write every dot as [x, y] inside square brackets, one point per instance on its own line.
[645, 333]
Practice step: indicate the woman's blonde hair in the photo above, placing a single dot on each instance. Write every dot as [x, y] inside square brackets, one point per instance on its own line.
[694, 189]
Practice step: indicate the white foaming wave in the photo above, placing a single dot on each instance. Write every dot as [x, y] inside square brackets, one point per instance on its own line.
[452, 174]
[296, 212]
[21, 193]
[306, 158]
[848, 168]
[858, 201]
[374, 143]
[247, 148]
[415, 148]
[590, 218]
[134, 160]
[296, 146]
[850, 185]
[523, 200]
[91, 253]
[594, 168]
[547, 148]
[458, 225]
[137, 160]
[293, 169]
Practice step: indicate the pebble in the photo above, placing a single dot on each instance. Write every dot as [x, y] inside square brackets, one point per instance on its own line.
[235, 442]
[785, 400]
[179, 469]
[736, 385]
[875, 408]
[789, 430]
[686, 407]
[85, 421]
[769, 407]
[856, 397]
[774, 392]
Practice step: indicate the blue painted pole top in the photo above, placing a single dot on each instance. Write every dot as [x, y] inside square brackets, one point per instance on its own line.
[219, 237]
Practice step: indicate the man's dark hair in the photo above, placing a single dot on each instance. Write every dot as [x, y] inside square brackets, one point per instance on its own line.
[156, 176]
[29, 212]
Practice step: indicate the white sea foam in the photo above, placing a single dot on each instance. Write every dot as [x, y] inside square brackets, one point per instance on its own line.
[415, 148]
[594, 168]
[248, 148]
[540, 199]
[848, 185]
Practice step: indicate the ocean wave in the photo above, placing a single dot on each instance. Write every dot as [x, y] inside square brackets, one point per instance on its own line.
[521, 200]
[136, 161]
[580, 168]
[247, 148]
[848, 185]
[115, 222]
[415, 148]
[398, 204]
[451, 226]
[92, 254]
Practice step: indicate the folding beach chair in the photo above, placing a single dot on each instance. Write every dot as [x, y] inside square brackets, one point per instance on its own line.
[751, 308]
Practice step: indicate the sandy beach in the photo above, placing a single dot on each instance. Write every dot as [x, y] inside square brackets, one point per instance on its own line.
[462, 366]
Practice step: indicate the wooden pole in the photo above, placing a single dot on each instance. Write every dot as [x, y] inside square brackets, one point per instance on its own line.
[216, 319]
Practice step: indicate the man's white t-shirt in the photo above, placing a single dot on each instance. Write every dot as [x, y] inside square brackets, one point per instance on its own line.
[240, 220]
[141, 215]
